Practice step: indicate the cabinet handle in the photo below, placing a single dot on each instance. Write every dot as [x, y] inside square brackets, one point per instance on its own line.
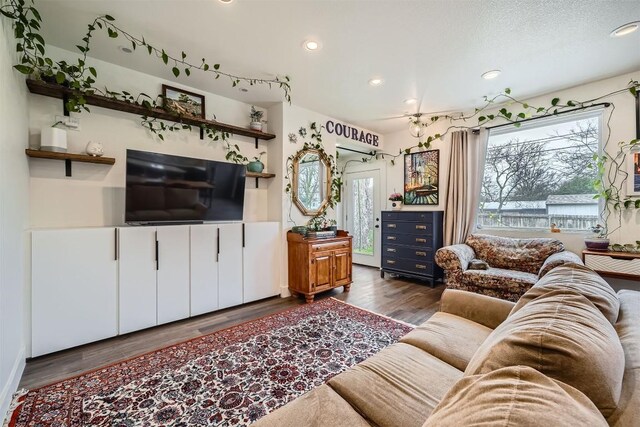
[621, 258]
[421, 227]
[217, 244]
[421, 267]
[243, 235]
[390, 261]
[419, 240]
[391, 237]
[391, 226]
[115, 256]
[391, 250]
[157, 253]
[420, 253]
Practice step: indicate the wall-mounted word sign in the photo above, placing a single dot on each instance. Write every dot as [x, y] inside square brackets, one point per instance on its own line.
[351, 132]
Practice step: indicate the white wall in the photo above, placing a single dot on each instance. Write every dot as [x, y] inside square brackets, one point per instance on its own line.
[94, 195]
[14, 214]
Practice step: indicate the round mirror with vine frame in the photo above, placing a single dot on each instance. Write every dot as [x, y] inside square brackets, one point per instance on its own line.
[311, 186]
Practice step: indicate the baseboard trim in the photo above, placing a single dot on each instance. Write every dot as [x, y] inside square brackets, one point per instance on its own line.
[12, 385]
[284, 291]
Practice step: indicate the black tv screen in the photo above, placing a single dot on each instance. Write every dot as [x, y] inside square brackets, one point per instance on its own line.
[165, 188]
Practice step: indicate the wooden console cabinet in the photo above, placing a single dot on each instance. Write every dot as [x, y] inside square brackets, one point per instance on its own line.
[317, 265]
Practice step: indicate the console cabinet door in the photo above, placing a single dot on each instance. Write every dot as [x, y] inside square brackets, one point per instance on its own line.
[173, 273]
[74, 288]
[342, 267]
[230, 265]
[261, 260]
[137, 278]
[204, 269]
[321, 271]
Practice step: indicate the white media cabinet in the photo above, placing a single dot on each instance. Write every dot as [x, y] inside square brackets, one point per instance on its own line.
[89, 284]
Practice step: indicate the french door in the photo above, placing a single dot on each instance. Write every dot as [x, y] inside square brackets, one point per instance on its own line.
[362, 215]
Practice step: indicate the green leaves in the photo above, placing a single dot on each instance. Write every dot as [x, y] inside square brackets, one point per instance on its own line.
[24, 69]
[60, 77]
[555, 101]
[176, 71]
[165, 57]
[113, 34]
[109, 18]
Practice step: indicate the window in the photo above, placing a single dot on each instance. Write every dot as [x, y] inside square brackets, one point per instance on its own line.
[541, 174]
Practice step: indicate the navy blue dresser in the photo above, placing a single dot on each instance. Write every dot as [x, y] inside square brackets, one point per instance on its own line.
[410, 240]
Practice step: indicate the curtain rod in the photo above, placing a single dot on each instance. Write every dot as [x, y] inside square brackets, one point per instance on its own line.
[600, 104]
[353, 151]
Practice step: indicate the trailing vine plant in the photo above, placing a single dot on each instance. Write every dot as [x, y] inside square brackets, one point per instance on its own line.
[505, 108]
[315, 143]
[80, 78]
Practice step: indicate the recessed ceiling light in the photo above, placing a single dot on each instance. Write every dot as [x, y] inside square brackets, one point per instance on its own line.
[226, 1]
[125, 49]
[410, 101]
[244, 89]
[625, 29]
[376, 81]
[311, 45]
[491, 74]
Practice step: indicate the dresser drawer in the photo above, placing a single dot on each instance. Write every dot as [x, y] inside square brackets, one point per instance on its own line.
[410, 266]
[407, 239]
[417, 228]
[404, 252]
[408, 216]
[329, 246]
[613, 264]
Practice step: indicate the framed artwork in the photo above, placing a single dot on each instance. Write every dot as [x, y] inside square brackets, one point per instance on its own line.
[183, 102]
[634, 173]
[421, 178]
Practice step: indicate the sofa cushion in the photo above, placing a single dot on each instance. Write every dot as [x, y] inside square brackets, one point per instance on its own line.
[508, 284]
[320, 407]
[514, 396]
[514, 254]
[558, 259]
[628, 327]
[581, 279]
[450, 338]
[563, 335]
[398, 386]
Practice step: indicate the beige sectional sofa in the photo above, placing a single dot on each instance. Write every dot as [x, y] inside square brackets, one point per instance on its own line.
[567, 353]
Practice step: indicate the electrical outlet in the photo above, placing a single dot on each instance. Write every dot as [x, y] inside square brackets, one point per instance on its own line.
[71, 123]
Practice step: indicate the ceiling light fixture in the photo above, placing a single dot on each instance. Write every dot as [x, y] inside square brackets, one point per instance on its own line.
[226, 1]
[125, 49]
[625, 29]
[491, 74]
[376, 81]
[311, 45]
[410, 101]
[416, 127]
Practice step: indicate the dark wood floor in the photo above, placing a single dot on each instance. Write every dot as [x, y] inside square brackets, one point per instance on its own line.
[397, 298]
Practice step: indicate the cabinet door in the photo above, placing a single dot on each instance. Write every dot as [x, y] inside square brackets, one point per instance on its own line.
[321, 271]
[261, 260]
[173, 273]
[74, 288]
[230, 265]
[342, 268]
[137, 278]
[204, 269]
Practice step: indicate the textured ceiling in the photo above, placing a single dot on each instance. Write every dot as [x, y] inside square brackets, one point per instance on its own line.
[433, 50]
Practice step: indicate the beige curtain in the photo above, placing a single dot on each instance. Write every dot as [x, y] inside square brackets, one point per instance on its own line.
[466, 168]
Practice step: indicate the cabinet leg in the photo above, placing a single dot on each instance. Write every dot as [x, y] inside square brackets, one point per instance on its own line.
[382, 274]
[347, 287]
[308, 298]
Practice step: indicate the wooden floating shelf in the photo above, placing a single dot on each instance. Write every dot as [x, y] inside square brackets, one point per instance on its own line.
[258, 175]
[58, 91]
[69, 157]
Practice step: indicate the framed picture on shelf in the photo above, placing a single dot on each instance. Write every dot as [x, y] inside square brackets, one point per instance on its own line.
[421, 178]
[183, 102]
[634, 173]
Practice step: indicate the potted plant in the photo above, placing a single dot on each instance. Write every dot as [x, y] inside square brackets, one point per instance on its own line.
[330, 225]
[256, 119]
[256, 164]
[396, 201]
[598, 241]
[316, 223]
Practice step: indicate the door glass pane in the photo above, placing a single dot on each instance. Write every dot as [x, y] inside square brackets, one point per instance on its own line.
[362, 214]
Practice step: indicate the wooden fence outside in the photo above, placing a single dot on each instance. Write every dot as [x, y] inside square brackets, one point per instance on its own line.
[540, 221]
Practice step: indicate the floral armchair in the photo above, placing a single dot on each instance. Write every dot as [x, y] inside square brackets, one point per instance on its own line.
[501, 267]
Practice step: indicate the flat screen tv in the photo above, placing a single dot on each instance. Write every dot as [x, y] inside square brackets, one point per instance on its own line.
[165, 188]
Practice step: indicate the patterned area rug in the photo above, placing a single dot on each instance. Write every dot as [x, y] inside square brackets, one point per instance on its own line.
[230, 377]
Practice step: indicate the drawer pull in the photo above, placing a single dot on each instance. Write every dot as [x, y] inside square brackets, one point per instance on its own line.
[420, 253]
[420, 240]
[391, 250]
[421, 267]
[391, 225]
[391, 237]
[390, 261]
[621, 258]
[421, 227]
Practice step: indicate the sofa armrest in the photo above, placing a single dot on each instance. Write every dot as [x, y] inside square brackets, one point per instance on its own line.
[482, 309]
[556, 260]
[455, 257]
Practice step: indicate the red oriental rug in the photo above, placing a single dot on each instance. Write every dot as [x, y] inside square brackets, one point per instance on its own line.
[229, 377]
